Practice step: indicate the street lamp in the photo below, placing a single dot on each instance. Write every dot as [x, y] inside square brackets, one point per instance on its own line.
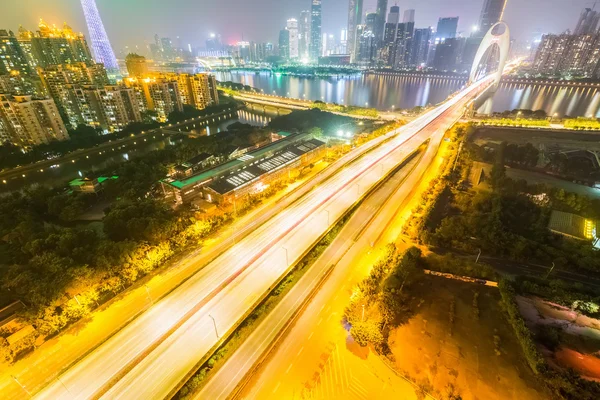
[215, 325]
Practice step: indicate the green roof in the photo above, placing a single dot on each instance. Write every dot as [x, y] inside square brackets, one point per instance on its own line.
[180, 184]
[104, 178]
[82, 181]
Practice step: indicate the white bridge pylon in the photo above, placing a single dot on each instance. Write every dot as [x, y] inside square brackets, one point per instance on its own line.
[502, 40]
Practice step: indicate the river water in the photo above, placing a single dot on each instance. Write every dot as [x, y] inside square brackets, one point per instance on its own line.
[80, 166]
[405, 92]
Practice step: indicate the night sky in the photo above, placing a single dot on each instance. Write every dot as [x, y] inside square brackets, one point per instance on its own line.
[134, 22]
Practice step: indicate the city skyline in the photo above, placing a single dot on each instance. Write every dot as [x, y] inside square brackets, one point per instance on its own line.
[123, 20]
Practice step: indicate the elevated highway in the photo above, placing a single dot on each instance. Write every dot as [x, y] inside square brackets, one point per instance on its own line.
[154, 354]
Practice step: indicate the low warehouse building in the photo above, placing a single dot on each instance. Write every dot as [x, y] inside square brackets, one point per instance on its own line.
[247, 174]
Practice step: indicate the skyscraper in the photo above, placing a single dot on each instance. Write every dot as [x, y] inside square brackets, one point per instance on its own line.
[380, 23]
[491, 13]
[103, 52]
[446, 28]
[284, 43]
[315, 30]
[588, 22]
[12, 57]
[304, 33]
[394, 15]
[354, 19]
[420, 47]
[409, 16]
[292, 27]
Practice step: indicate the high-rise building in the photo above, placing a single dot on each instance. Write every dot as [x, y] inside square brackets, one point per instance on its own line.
[380, 22]
[136, 65]
[284, 44]
[13, 59]
[409, 16]
[59, 82]
[160, 94]
[420, 47]
[304, 34]
[560, 54]
[491, 13]
[103, 52]
[315, 30]
[588, 22]
[388, 53]
[198, 90]
[366, 49]
[292, 27]
[30, 122]
[404, 37]
[394, 15]
[448, 53]
[446, 28]
[343, 41]
[354, 19]
[51, 46]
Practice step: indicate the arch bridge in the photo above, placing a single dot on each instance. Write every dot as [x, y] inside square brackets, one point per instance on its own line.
[497, 37]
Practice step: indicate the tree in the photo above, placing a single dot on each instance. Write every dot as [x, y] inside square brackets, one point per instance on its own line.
[366, 332]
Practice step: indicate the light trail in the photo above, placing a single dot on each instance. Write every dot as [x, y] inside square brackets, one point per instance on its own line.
[151, 356]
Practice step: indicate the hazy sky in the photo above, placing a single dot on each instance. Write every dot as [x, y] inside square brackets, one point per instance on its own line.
[134, 22]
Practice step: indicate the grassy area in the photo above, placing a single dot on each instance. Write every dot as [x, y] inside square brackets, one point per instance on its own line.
[457, 342]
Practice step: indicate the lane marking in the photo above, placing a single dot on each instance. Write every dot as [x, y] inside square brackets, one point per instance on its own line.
[288, 368]
[311, 335]
[299, 351]
[277, 387]
[320, 319]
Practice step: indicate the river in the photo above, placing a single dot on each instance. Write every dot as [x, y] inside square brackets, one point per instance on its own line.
[405, 92]
[80, 166]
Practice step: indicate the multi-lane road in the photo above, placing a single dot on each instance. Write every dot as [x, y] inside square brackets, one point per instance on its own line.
[151, 356]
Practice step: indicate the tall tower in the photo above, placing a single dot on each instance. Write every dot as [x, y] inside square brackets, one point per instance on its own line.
[380, 23]
[304, 33]
[315, 30]
[103, 53]
[354, 19]
[292, 27]
[492, 12]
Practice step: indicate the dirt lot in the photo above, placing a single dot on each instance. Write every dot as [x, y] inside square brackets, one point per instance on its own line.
[456, 343]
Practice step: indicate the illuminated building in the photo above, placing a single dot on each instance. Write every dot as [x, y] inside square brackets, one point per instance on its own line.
[292, 27]
[248, 173]
[199, 90]
[30, 122]
[284, 43]
[103, 52]
[136, 65]
[159, 94]
[403, 43]
[354, 20]
[12, 56]
[420, 47]
[304, 33]
[560, 54]
[380, 21]
[446, 28]
[51, 45]
[387, 53]
[111, 108]
[60, 81]
[448, 53]
[315, 30]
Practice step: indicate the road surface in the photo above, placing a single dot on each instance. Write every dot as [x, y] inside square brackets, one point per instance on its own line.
[152, 355]
[314, 360]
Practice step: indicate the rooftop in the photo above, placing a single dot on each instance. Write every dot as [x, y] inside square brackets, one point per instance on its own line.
[255, 170]
[209, 174]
